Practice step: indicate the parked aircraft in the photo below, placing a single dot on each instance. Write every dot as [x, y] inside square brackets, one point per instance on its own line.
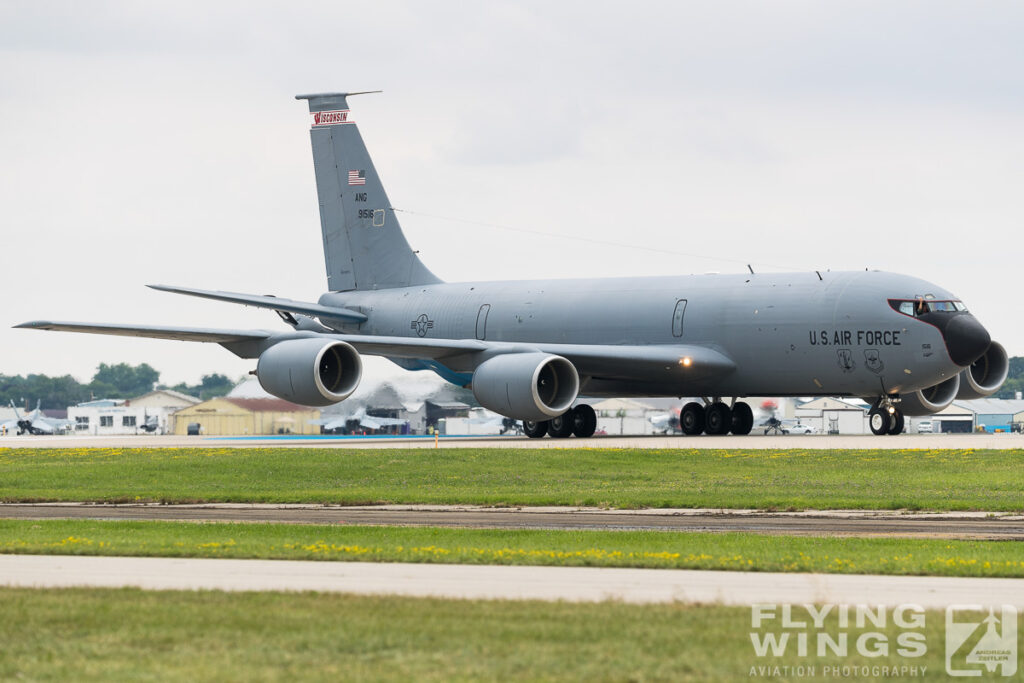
[33, 423]
[150, 423]
[529, 349]
[663, 423]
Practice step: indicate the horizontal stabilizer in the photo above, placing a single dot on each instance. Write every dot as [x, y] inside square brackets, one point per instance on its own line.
[272, 302]
[198, 334]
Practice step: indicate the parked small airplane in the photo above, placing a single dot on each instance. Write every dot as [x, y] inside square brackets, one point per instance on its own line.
[150, 423]
[529, 349]
[666, 422]
[33, 423]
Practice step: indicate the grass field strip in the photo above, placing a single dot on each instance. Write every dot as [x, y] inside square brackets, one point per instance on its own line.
[129, 634]
[744, 552]
[793, 479]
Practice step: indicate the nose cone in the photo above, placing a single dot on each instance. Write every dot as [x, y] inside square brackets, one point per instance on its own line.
[966, 339]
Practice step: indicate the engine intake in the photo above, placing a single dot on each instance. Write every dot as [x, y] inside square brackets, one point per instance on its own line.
[984, 376]
[310, 372]
[930, 400]
[526, 386]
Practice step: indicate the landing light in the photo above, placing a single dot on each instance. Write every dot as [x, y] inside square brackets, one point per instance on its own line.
[686, 362]
[892, 410]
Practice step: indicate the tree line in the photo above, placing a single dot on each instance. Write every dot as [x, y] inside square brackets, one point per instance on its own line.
[119, 381]
[1014, 381]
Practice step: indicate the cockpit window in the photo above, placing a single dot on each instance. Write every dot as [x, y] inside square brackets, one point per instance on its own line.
[919, 307]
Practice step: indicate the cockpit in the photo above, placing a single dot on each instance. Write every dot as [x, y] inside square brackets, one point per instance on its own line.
[921, 306]
[966, 340]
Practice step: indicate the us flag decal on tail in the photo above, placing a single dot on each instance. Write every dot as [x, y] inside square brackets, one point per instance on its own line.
[357, 177]
[331, 118]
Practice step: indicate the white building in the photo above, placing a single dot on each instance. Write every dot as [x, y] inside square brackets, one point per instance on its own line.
[833, 416]
[118, 417]
[624, 416]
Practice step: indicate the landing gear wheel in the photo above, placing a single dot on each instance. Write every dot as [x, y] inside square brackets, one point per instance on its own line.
[584, 421]
[691, 419]
[535, 430]
[897, 422]
[879, 421]
[561, 427]
[717, 419]
[742, 419]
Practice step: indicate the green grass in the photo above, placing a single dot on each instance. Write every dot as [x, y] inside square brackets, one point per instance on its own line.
[132, 635]
[657, 549]
[630, 478]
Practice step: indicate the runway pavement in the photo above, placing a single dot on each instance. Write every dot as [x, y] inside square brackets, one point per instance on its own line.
[575, 584]
[812, 441]
[976, 525]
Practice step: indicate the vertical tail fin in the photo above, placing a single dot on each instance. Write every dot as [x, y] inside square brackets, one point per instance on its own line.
[363, 243]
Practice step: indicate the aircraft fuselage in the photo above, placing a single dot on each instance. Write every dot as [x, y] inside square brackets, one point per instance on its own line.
[788, 334]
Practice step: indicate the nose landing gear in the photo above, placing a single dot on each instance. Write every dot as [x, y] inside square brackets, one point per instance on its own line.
[885, 417]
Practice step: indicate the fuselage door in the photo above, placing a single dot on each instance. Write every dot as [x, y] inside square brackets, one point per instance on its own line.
[677, 318]
[481, 321]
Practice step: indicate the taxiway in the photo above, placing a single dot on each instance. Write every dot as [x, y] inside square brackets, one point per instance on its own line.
[973, 525]
[575, 584]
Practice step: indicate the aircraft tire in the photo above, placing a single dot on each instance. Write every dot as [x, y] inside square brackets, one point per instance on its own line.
[691, 419]
[879, 421]
[897, 422]
[717, 419]
[742, 419]
[561, 427]
[535, 430]
[584, 421]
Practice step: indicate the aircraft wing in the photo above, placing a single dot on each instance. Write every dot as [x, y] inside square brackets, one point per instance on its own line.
[650, 360]
[43, 425]
[600, 360]
[276, 303]
[198, 334]
[331, 422]
[596, 360]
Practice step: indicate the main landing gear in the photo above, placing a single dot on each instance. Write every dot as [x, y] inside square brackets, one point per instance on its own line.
[580, 421]
[886, 418]
[716, 418]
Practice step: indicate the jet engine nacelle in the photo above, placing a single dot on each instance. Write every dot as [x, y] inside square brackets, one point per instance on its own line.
[526, 386]
[984, 376]
[930, 400]
[310, 372]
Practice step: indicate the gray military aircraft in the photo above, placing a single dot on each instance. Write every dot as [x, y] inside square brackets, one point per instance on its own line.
[33, 423]
[529, 349]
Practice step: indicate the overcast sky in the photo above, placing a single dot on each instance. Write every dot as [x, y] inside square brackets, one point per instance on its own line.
[160, 143]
